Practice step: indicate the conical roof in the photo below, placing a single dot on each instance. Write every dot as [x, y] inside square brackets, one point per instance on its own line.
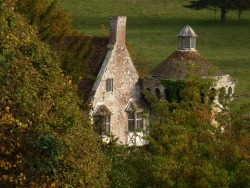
[175, 66]
[187, 31]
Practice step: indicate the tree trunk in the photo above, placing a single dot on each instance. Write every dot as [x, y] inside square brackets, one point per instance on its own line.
[223, 9]
[239, 12]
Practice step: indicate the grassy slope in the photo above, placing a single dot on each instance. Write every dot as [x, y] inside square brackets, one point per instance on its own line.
[152, 26]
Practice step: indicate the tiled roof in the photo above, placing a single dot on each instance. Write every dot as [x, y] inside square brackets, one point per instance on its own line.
[92, 51]
[175, 66]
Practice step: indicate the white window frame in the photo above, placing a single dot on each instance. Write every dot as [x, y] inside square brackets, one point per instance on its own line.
[136, 120]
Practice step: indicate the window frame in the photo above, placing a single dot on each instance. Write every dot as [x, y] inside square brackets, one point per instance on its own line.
[102, 124]
[109, 85]
[186, 43]
[137, 121]
[192, 42]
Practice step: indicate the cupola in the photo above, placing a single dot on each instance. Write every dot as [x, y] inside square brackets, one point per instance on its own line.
[187, 39]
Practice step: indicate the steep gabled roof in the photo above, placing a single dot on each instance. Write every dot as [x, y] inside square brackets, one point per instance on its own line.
[175, 66]
[91, 50]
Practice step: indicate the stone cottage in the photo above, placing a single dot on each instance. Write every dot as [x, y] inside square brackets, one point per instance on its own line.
[110, 83]
[116, 97]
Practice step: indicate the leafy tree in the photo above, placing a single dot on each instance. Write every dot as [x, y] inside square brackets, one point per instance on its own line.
[240, 6]
[187, 150]
[223, 5]
[46, 140]
[46, 16]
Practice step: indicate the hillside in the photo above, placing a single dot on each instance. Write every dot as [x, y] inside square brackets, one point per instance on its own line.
[152, 26]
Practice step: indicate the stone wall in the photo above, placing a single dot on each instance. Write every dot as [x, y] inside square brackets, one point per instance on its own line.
[117, 65]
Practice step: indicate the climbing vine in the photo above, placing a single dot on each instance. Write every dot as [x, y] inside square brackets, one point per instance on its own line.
[174, 88]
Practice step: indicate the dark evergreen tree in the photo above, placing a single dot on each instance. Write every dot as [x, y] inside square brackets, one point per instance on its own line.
[223, 5]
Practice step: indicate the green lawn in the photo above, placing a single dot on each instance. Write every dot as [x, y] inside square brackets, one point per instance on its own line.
[152, 26]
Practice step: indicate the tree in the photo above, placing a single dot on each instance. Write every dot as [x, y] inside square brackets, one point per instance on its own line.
[46, 16]
[241, 6]
[187, 150]
[46, 140]
[223, 5]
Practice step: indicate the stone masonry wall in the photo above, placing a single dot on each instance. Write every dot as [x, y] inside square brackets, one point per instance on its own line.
[119, 66]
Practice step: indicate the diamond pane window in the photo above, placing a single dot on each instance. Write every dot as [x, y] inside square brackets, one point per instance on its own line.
[139, 121]
[131, 121]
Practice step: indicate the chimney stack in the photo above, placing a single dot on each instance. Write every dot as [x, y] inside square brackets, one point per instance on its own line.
[117, 30]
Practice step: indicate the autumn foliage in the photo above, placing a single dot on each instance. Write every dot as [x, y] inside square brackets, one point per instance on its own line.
[46, 139]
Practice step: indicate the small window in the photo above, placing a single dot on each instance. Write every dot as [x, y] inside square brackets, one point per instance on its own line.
[212, 94]
[230, 91]
[192, 42]
[131, 121]
[158, 93]
[222, 95]
[135, 121]
[109, 84]
[107, 124]
[186, 42]
[139, 121]
[102, 124]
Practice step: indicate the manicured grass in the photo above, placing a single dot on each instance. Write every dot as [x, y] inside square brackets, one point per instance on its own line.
[152, 26]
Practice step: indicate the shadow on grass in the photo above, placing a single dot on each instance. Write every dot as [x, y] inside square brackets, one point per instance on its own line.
[154, 22]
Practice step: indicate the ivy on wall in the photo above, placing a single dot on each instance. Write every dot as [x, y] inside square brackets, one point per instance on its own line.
[175, 87]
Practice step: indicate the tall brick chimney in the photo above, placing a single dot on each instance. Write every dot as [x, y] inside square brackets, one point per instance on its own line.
[117, 30]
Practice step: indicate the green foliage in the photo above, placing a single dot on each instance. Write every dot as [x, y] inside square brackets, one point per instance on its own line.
[128, 165]
[186, 149]
[122, 172]
[47, 139]
[224, 6]
[173, 88]
[46, 16]
[76, 57]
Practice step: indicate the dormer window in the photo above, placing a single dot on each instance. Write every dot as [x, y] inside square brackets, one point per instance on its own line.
[101, 118]
[102, 124]
[135, 121]
[135, 117]
[109, 85]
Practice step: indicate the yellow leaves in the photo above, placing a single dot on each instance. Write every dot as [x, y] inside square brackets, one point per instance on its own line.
[10, 102]
[7, 109]
[7, 118]
[30, 122]
[20, 179]
[53, 184]
[70, 82]
[20, 124]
